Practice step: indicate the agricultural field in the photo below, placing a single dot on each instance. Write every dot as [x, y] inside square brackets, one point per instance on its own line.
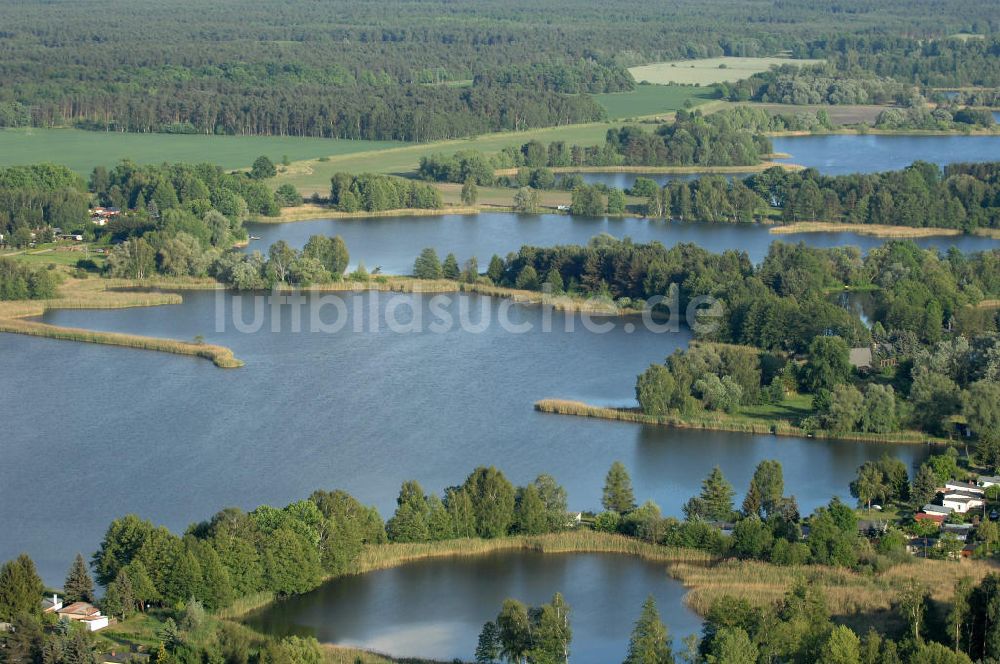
[709, 70]
[82, 150]
[652, 99]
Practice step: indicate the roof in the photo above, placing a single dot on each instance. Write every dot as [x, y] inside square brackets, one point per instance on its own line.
[959, 498]
[937, 509]
[964, 486]
[992, 479]
[80, 609]
[861, 357]
[962, 493]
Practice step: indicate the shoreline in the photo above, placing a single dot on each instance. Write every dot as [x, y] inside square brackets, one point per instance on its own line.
[872, 131]
[707, 170]
[717, 422]
[377, 557]
[125, 294]
[102, 294]
[878, 230]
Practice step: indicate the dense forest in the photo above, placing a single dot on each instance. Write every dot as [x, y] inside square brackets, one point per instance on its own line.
[386, 70]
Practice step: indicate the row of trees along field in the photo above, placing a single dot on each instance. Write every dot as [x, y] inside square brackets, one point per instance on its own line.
[727, 138]
[410, 70]
[291, 550]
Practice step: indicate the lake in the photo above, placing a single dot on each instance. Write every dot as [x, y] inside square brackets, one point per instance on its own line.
[851, 153]
[436, 608]
[98, 431]
[394, 242]
[842, 154]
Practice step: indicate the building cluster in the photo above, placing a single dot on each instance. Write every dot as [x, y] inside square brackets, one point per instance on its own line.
[100, 216]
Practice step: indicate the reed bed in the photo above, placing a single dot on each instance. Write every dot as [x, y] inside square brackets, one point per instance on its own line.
[385, 556]
[583, 540]
[848, 593]
[222, 357]
[720, 422]
[312, 211]
[333, 654]
[95, 294]
[876, 230]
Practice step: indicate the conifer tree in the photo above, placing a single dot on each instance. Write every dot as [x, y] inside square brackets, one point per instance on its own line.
[20, 588]
[650, 642]
[79, 587]
[618, 495]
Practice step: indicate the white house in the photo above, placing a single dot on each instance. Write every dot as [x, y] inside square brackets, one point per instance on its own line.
[988, 480]
[87, 614]
[962, 501]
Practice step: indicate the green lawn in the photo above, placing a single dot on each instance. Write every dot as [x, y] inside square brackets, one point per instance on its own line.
[652, 99]
[707, 71]
[82, 150]
[793, 409]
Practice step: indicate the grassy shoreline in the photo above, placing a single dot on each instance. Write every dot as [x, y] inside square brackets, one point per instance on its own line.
[312, 211]
[582, 540]
[878, 230]
[97, 294]
[722, 422]
[124, 293]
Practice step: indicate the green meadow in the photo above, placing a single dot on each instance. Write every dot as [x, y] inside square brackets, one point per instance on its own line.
[82, 150]
[652, 99]
[707, 71]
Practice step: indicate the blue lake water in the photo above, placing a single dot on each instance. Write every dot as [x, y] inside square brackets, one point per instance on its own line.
[394, 242]
[175, 439]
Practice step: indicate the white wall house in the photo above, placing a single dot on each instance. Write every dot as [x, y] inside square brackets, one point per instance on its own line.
[962, 501]
[86, 614]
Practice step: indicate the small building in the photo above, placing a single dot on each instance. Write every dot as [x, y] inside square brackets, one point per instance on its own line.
[968, 487]
[85, 613]
[51, 604]
[929, 517]
[986, 481]
[861, 358]
[962, 501]
[961, 531]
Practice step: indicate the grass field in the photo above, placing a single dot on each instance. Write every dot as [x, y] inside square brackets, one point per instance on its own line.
[313, 175]
[652, 99]
[709, 70]
[82, 150]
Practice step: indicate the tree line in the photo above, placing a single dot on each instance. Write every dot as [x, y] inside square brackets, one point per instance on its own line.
[381, 73]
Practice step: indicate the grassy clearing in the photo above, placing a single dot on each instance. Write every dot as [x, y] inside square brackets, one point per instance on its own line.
[707, 71]
[877, 230]
[96, 294]
[56, 254]
[82, 150]
[312, 175]
[778, 420]
[652, 99]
